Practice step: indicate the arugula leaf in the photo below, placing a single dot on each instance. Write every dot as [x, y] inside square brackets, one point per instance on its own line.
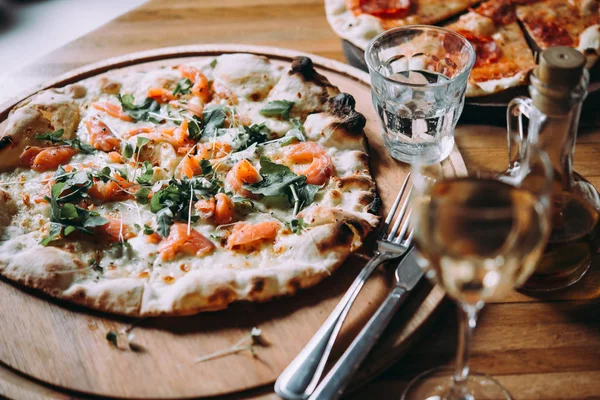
[164, 219]
[298, 125]
[147, 172]
[183, 86]
[55, 137]
[172, 202]
[123, 172]
[141, 196]
[142, 141]
[65, 217]
[278, 108]
[68, 230]
[53, 234]
[213, 63]
[142, 111]
[148, 230]
[296, 225]
[279, 180]
[255, 134]
[128, 151]
[306, 195]
[95, 265]
[165, 204]
[72, 187]
[294, 135]
[206, 167]
[51, 136]
[195, 128]
[276, 179]
[93, 219]
[68, 211]
[242, 202]
[214, 118]
[104, 174]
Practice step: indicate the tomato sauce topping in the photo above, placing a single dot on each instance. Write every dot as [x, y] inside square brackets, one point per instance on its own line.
[523, 2]
[494, 71]
[386, 9]
[502, 12]
[549, 32]
[487, 50]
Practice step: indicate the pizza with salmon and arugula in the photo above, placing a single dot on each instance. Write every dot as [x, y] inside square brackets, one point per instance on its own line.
[180, 189]
[505, 34]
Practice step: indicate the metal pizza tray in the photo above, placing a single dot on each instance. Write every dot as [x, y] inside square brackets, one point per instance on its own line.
[491, 110]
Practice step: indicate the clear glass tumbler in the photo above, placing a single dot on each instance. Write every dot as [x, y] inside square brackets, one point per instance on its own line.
[418, 81]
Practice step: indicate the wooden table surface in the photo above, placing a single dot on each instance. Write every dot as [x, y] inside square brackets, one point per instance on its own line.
[539, 347]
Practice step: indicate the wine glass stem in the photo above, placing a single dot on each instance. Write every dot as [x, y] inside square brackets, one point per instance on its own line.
[467, 319]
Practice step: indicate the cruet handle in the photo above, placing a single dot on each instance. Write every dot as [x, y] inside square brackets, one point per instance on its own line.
[516, 130]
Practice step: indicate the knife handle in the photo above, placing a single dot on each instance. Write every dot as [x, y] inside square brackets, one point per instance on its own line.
[339, 377]
[299, 379]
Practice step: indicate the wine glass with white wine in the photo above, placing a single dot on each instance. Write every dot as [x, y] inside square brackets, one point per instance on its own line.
[478, 235]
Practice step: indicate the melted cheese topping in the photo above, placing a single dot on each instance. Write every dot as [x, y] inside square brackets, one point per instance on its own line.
[478, 24]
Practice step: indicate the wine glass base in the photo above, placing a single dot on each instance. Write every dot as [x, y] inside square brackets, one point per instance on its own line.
[437, 384]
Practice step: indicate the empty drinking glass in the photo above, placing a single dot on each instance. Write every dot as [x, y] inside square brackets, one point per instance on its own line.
[419, 78]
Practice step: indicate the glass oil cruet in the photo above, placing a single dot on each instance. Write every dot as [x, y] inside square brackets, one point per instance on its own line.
[558, 88]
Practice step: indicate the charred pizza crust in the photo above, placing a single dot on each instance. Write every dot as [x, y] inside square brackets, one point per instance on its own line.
[343, 213]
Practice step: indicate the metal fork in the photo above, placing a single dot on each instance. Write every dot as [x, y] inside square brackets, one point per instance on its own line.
[407, 274]
[301, 377]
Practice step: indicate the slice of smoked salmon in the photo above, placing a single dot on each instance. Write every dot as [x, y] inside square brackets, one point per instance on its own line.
[214, 150]
[320, 165]
[115, 157]
[101, 138]
[179, 241]
[114, 110]
[137, 131]
[244, 234]
[108, 191]
[224, 208]
[115, 230]
[29, 154]
[200, 88]
[243, 172]
[190, 166]
[51, 157]
[206, 207]
[161, 95]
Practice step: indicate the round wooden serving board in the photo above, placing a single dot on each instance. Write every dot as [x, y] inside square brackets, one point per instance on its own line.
[65, 346]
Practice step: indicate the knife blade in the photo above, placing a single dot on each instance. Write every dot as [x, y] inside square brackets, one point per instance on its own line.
[409, 273]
